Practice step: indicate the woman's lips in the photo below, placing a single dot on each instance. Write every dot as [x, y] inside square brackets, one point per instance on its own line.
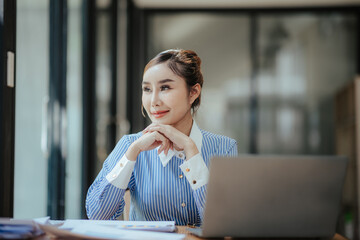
[159, 114]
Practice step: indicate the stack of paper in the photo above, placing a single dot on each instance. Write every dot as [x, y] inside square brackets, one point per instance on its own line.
[156, 226]
[18, 229]
[107, 232]
[106, 229]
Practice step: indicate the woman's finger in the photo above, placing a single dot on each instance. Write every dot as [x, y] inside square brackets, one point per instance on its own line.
[164, 141]
[168, 145]
[159, 128]
[147, 129]
[161, 148]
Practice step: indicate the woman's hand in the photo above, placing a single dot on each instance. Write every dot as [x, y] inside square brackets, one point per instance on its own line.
[179, 140]
[146, 142]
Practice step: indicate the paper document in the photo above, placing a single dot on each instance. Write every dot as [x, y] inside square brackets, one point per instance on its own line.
[158, 226]
[111, 229]
[18, 229]
[107, 232]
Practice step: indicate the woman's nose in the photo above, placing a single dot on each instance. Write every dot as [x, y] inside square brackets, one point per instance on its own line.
[155, 99]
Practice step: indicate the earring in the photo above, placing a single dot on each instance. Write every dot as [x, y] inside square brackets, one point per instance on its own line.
[142, 111]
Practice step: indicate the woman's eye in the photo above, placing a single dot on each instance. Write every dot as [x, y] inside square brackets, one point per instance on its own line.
[165, 87]
[146, 89]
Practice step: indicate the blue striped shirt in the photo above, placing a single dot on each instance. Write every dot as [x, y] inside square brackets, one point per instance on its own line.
[160, 191]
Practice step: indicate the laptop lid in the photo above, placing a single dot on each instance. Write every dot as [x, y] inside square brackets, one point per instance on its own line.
[274, 196]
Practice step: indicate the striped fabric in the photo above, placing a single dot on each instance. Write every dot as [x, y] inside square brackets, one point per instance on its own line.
[157, 193]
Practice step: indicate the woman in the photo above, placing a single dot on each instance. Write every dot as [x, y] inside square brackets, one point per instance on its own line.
[165, 166]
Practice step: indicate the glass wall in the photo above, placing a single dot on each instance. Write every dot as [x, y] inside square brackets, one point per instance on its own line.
[32, 95]
[32, 98]
[32, 77]
[103, 81]
[74, 111]
[304, 58]
[110, 76]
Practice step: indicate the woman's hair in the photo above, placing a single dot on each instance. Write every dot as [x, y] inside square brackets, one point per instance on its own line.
[184, 63]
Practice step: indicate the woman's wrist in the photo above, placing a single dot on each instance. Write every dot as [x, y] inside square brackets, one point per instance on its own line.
[132, 152]
[190, 149]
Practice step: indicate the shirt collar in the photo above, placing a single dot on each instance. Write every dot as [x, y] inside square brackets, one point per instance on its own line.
[195, 135]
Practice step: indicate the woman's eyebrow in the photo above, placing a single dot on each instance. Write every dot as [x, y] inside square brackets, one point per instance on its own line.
[160, 82]
[166, 80]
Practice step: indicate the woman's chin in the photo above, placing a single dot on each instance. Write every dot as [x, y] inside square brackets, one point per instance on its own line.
[160, 121]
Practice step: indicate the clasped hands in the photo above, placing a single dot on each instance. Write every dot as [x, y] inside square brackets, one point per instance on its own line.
[165, 136]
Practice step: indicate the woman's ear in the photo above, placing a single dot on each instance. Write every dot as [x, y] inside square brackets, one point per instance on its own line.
[194, 92]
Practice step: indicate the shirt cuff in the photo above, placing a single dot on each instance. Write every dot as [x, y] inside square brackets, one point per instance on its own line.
[121, 173]
[195, 171]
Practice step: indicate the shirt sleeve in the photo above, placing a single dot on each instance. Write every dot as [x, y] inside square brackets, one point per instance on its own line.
[121, 173]
[105, 197]
[195, 171]
[232, 151]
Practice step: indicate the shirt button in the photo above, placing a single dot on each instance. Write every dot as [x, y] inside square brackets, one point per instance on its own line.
[181, 176]
[114, 175]
[194, 182]
[183, 204]
[121, 165]
[181, 155]
[188, 169]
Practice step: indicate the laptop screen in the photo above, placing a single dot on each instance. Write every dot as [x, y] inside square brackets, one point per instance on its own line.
[274, 196]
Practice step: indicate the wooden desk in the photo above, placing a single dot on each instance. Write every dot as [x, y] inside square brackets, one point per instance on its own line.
[189, 236]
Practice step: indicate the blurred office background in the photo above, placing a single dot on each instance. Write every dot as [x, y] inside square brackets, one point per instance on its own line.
[272, 72]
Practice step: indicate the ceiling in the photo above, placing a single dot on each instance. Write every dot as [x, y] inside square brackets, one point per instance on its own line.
[242, 3]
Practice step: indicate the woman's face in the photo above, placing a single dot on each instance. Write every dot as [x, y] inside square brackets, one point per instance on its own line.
[166, 97]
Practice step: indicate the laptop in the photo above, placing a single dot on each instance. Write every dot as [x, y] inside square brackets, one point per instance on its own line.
[257, 196]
